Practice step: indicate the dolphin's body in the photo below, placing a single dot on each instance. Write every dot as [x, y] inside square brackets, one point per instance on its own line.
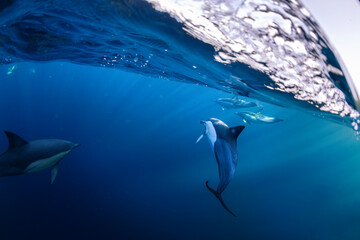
[24, 157]
[251, 117]
[233, 103]
[223, 141]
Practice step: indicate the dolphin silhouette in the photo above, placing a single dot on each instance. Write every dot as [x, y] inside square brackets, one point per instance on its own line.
[24, 157]
[257, 117]
[235, 102]
[223, 141]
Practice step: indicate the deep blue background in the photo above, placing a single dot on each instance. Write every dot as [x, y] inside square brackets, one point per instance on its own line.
[139, 175]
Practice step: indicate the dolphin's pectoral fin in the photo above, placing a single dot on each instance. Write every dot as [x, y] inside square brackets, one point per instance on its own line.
[218, 196]
[198, 140]
[54, 172]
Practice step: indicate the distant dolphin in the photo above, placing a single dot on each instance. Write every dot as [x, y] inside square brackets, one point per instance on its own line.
[223, 142]
[235, 102]
[251, 117]
[24, 157]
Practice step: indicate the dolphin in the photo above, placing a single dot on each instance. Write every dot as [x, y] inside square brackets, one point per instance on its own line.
[251, 117]
[235, 102]
[24, 157]
[223, 141]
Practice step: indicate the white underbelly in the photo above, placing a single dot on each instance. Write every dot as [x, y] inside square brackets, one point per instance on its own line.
[211, 133]
[45, 163]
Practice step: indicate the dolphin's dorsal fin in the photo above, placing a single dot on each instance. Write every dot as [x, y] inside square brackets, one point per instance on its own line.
[14, 140]
[236, 130]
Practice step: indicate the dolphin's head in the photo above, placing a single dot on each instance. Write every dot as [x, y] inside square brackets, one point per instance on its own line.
[53, 146]
[211, 122]
[209, 131]
[218, 123]
[208, 125]
[75, 145]
[65, 145]
[212, 126]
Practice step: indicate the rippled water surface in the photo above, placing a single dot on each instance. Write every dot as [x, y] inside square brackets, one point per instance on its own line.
[269, 50]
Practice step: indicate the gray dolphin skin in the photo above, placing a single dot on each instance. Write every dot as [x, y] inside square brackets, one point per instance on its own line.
[233, 103]
[223, 141]
[24, 157]
[251, 117]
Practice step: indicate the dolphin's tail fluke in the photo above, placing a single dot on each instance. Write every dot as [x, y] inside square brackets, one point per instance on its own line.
[218, 196]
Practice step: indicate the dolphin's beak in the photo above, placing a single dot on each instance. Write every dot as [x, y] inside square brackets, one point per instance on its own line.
[202, 122]
[76, 145]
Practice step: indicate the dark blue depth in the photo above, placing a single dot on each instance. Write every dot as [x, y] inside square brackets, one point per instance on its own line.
[139, 175]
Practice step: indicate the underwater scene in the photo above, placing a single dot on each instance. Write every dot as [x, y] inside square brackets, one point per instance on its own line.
[192, 119]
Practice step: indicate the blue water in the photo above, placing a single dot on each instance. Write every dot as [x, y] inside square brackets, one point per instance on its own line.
[131, 84]
[295, 68]
[139, 175]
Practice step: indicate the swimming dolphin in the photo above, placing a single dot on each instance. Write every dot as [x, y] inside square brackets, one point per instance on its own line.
[223, 142]
[251, 117]
[235, 102]
[24, 157]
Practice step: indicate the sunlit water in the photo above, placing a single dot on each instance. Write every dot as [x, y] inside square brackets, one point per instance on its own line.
[138, 173]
